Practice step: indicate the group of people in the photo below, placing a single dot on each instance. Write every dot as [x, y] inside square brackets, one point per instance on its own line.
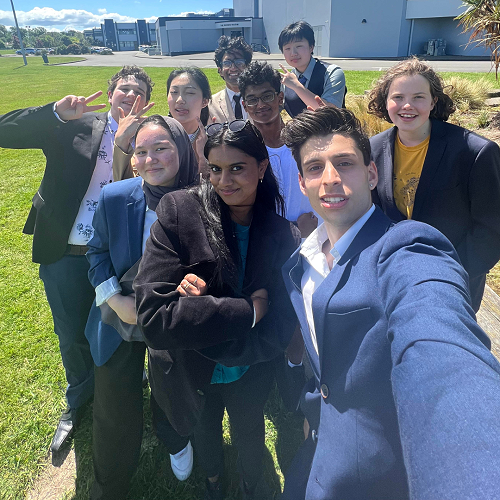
[232, 238]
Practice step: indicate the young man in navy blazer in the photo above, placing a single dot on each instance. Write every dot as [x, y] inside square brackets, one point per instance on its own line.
[405, 395]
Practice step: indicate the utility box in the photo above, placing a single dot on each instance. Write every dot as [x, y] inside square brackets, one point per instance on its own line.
[440, 47]
[45, 58]
[435, 47]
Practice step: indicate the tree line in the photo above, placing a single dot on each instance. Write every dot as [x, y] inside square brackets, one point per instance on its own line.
[67, 42]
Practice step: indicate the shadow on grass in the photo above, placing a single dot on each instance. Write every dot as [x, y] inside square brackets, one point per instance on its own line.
[154, 479]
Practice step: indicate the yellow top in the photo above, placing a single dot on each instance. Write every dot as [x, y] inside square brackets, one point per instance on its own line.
[408, 163]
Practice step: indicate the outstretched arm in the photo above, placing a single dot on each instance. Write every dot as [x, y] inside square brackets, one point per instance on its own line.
[446, 384]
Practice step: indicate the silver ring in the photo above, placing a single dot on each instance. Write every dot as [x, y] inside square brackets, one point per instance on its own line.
[195, 280]
[185, 286]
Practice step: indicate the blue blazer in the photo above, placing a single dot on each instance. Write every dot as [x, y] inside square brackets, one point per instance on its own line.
[405, 397]
[115, 247]
[458, 193]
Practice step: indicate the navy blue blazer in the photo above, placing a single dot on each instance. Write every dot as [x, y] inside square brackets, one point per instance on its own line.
[115, 247]
[405, 397]
[458, 193]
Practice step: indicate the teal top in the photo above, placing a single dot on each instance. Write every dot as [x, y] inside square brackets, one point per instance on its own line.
[225, 374]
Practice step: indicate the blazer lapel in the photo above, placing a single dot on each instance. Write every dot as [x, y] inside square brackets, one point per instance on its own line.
[386, 171]
[435, 152]
[293, 271]
[97, 130]
[136, 208]
[372, 231]
[227, 107]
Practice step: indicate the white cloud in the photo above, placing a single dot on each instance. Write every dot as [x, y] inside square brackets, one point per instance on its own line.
[74, 18]
[184, 14]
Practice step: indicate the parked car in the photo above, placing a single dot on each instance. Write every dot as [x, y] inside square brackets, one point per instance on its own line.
[27, 51]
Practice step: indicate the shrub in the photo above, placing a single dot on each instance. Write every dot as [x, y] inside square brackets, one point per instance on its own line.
[74, 49]
[372, 125]
[483, 120]
[467, 94]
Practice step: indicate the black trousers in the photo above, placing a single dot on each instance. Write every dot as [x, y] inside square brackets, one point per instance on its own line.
[118, 422]
[244, 400]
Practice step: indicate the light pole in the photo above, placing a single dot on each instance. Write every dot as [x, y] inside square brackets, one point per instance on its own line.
[19, 34]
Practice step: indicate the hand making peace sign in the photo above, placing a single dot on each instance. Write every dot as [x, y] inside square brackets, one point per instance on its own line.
[289, 79]
[128, 124]
[73, 107]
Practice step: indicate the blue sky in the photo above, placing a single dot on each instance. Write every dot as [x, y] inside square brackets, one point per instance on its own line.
[58, 15]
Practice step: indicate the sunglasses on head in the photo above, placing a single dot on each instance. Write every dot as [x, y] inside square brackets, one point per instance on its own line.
[234, 126]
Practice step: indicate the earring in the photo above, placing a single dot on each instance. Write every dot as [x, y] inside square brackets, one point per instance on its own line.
[261, 181]
[371, 185]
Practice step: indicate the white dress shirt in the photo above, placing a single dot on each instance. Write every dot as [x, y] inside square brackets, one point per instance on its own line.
[316, 267]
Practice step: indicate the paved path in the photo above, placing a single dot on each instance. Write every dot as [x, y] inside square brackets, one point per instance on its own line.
[206, 60]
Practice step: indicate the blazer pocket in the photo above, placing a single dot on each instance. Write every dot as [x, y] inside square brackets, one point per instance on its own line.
[455, 184]
[41, 206]
[350, 329]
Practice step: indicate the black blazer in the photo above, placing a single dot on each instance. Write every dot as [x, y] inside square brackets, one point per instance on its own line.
[458, 193]
[186, 336]
[71, 152]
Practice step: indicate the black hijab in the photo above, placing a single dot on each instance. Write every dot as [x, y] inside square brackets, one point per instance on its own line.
[188, 165]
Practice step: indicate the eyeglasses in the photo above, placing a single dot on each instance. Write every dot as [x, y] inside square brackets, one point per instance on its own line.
[265, 98]
[234, 126]
[238, 63]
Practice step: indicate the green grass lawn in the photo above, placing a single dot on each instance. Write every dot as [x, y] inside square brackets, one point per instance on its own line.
[31, 379]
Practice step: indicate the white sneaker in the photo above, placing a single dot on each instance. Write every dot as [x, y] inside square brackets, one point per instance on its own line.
[182, 463]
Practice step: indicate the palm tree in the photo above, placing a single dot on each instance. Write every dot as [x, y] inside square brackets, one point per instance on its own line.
[482, 19]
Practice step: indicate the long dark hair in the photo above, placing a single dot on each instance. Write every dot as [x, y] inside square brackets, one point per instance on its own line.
[216, 213]
[201, 80]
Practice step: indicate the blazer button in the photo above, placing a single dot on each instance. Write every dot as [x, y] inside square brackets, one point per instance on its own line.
[314, 436]
[200, 392]
[324, 390]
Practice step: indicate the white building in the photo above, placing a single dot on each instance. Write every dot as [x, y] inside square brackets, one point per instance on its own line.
[365, 28]
[186, 35]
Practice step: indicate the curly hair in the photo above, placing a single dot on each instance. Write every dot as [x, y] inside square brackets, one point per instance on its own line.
[227, 44]
[377, 104]
[324, 121]
[125, 73]
[257, 73]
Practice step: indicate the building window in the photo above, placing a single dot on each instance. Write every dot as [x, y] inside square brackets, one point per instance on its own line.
[127, 31]
[128, 45]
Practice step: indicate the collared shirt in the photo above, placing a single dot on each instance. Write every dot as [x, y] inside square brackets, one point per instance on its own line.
[334, 84]
[231, 94]
[316, 267]
[82, 229]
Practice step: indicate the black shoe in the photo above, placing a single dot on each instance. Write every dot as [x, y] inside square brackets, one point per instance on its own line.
[213, 491]
[64, 431]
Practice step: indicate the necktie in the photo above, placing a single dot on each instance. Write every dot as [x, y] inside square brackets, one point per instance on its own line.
[237, 107]
[302, 80]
